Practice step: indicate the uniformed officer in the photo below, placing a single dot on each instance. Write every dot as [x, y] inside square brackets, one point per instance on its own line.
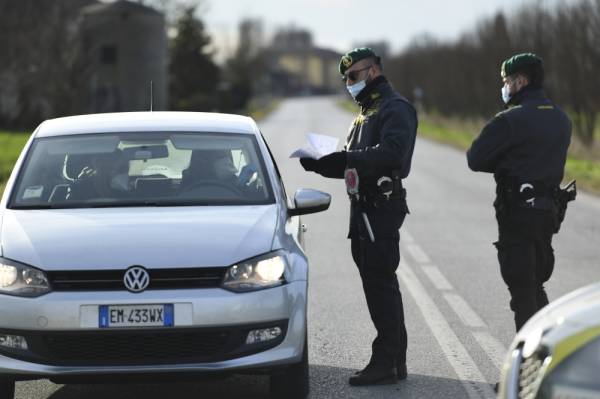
[375, 159]
[525, 147]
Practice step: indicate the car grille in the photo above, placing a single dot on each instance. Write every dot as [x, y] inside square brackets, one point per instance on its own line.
[135, 348]
[112, 280]
[531, 373]
[142, 347]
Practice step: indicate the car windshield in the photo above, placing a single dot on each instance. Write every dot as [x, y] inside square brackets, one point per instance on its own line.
[142, 169]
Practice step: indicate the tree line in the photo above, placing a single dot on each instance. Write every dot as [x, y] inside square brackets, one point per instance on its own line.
[463, 77]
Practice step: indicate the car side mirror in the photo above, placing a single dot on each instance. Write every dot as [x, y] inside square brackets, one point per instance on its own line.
[309, 201]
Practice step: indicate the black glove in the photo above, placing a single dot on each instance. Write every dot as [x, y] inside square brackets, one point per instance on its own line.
[309, 164]
[332, 162]
[331, 165]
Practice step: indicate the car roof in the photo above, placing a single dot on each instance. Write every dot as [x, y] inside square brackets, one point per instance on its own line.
[148, 121]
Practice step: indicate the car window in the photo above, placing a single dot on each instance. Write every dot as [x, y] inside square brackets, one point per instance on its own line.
[132, 169]
[276, 169]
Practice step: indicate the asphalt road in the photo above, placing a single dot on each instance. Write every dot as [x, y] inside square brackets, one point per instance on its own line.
[456, 305]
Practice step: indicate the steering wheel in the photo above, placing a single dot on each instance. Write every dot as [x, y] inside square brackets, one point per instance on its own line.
[203, 184]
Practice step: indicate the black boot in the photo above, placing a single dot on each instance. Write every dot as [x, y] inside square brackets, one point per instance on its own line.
[374, 374]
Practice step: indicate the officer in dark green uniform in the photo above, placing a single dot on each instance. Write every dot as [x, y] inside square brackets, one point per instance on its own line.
[525, 147]
[375, 159]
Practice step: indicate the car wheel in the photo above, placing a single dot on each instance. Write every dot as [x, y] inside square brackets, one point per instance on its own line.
[292, 383]
[7, 389]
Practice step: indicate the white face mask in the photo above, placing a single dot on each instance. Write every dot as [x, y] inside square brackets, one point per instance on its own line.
[505, 94]
[356, 88]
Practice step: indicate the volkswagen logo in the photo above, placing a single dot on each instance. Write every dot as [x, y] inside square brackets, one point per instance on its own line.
[136, 279]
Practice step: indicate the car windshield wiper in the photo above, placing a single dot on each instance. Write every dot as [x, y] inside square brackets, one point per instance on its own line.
[99, 205]
[147, 203]
[38, 206]
[130, 204]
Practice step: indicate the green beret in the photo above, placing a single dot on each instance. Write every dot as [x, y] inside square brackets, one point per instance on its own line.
[519, 62]
[352, 57]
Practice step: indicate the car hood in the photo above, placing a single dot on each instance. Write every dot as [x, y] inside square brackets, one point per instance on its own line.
[113, 238]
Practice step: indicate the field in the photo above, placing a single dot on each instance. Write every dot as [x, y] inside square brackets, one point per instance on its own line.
[583, 163]
[10, 147]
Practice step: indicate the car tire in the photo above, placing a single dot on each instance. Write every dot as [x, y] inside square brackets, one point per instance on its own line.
[293, 382]
[7, 389]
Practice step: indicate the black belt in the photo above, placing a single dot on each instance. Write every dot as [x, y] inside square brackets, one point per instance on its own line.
[526, 193]
[382, 188]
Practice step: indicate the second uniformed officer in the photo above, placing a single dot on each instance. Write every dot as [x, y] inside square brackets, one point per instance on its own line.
[375, 159]
[525, 147]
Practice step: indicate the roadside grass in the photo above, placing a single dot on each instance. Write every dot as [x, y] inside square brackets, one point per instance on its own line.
[259, 109]
[583, 163]
[11, 144]
[348, 105]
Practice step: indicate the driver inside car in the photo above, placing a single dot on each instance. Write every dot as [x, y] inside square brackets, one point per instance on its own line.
[215, 165]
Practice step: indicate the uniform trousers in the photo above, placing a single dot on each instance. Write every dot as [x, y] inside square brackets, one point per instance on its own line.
[377, 263]
[526, 258]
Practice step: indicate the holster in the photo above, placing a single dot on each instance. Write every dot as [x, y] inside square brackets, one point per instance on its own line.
[562, 197]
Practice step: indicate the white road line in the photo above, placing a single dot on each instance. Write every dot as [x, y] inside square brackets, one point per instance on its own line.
[492, 347]
[417, 253]
[437, 278]
[463, 310]
[470, 376]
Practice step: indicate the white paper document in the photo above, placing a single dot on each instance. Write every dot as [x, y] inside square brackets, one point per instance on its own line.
[317, 146]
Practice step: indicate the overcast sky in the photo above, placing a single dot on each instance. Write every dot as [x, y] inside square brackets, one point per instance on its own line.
[338, 24]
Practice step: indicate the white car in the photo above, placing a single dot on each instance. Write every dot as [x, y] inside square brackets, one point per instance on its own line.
[148, 244]
[557, 353]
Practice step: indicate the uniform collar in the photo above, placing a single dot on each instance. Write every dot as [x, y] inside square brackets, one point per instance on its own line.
[526, 94]
[372, 92]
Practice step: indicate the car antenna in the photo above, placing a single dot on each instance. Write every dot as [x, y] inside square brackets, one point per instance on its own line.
[151, 96]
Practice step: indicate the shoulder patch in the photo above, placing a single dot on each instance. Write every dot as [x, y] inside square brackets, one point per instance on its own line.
[506, 111]
[545, 107]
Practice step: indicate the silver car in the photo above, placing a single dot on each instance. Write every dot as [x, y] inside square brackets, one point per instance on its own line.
[152, 244]
[557, 352]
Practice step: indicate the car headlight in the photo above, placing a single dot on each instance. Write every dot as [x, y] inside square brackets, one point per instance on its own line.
[255, 274]
[575, 376]
[21, 280]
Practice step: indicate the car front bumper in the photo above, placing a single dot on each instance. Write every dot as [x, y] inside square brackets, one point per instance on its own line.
[214, 309]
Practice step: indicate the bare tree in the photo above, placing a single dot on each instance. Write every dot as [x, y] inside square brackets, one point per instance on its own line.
[44, 66]
[462, 77]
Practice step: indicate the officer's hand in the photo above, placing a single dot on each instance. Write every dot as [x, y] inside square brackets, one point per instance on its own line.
[333, 161]
[309, 164]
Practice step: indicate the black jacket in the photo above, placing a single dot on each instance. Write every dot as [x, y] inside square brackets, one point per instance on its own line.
[381, 139]
[383, 136]
[526, 142]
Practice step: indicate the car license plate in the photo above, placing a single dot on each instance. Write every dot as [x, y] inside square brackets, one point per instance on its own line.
[112, 316]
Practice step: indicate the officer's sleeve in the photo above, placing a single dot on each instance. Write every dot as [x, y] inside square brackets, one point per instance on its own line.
[489, 148]
[398, 132]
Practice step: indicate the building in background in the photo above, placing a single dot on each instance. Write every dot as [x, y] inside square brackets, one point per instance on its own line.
[128, 49]
[298, 67]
